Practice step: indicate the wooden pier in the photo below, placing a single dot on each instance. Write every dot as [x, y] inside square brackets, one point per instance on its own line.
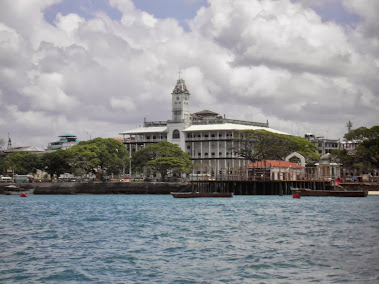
[243, 187]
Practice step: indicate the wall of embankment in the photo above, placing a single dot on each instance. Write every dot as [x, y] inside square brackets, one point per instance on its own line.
[239, 188]
[103, 188]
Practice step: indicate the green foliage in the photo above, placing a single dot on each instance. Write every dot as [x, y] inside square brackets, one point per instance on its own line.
[85, 157]
[162, 157]
[304, 147]
[3, 167]
[257, 145]
[56, 163]
[365, 157]
[363, 133]
[22, 162]
[2, 143]
[106, 154]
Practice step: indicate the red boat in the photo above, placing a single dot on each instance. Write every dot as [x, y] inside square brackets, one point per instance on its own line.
[296, 195]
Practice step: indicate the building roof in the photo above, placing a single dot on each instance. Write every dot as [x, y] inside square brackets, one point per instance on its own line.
[24, 149]
[67, 135]
[141, 130]
[206, 113]
[274, 163]
[228, 126]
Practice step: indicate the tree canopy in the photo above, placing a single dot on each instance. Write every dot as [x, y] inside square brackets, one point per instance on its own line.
[162, 157]
[106, 154]
[365, 156]
[257, 145]
[56, 163]
[22, 162]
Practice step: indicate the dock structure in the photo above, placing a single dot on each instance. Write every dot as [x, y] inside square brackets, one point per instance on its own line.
[243, 187]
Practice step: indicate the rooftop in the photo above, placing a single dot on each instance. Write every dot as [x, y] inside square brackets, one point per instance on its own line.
[274, 163]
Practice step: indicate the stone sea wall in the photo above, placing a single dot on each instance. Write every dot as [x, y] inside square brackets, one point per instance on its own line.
[104, 188]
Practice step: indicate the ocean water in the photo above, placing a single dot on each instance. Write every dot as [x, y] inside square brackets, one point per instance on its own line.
[159, 239]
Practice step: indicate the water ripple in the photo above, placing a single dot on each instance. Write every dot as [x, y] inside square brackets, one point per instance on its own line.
[158, 239]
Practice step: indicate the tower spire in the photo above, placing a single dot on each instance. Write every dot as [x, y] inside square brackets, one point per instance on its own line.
[9, 142]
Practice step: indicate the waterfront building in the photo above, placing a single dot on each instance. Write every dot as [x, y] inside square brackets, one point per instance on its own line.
[205, 135]
[275, 170]
[324, 145]
[65, 141]
[328, 169]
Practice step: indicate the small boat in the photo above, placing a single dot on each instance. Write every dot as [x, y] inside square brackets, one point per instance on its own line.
[201, 194]
[16, 190]
[23, 194]
[296, 195]
[336, 193]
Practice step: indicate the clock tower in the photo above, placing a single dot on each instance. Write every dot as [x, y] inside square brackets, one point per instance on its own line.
[180, 102]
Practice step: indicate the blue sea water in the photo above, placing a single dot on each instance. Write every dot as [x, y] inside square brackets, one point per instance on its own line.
[159, 239]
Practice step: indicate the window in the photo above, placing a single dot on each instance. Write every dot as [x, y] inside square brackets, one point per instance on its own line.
[176, 134]
[188, 147]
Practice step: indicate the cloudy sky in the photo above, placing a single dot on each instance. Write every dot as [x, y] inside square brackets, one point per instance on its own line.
[99, 67]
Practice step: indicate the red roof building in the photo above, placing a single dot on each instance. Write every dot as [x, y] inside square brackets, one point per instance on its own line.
[275, 170]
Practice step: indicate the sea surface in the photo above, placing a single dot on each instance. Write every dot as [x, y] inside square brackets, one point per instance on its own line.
[159, 239]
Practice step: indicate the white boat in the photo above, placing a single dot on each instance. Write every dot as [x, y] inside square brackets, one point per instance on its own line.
[16, 190]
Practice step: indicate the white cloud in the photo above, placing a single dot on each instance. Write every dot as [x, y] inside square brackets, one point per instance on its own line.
[247, 59]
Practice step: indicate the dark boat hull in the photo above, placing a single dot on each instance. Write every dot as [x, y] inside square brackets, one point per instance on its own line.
[335, 193]
[201, 194]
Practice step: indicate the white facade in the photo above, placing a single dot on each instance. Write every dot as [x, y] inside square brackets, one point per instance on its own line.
[205, 135]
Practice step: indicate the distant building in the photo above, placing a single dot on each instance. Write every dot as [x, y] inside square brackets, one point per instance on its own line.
[66, 141]
[327, 168]
[32, 149]
[324, 145]
[349, 145]
[205, 135]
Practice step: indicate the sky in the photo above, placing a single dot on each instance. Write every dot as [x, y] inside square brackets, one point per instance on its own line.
[95, 68]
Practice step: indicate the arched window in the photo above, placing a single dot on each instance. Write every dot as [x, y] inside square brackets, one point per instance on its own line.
[176, 134]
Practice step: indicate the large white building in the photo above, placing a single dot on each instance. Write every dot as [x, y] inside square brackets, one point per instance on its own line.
[206, 136]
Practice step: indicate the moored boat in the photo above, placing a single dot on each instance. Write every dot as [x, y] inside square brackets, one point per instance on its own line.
[16, 190]
[201, 194]
[335, 193]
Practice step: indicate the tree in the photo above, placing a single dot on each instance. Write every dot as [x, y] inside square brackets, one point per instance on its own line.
[162, 157]
[365, 157]
[56, 163]
[105, 154]
[2, 143]
[84, 157]
[22, 162]
[258, 145]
